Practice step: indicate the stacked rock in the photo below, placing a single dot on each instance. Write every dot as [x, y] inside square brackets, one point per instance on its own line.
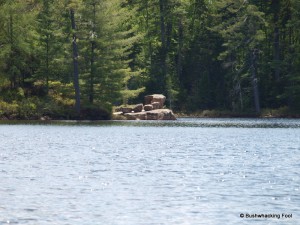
[156, 100]
[152, 110]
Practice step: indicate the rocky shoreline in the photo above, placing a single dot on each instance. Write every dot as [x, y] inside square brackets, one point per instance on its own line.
[153, 109]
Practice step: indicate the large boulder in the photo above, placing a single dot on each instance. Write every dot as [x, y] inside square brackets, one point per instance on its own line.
[156, 105]
[138, 108]
[124, 109]
[136, 116]
[152, 110]
[158, 114]
[118, 116]
[149, 99]
[148, 107]
[161, 114]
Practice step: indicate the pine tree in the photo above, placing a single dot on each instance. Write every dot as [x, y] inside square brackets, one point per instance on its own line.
[241, 30]
[201, 79]
[49, 42]
[16, 20]
[292, 91]
[111, 75]
[73, 6]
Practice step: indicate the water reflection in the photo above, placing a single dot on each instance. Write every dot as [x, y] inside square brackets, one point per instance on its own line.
[181, 122]
[123, 172]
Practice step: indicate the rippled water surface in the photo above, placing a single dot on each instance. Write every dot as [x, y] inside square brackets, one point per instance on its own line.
[191, 171]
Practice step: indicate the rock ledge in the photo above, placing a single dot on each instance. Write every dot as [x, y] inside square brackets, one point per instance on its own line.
[152, 110]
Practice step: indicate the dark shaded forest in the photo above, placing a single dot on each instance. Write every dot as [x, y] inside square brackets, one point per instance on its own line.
[67, 59]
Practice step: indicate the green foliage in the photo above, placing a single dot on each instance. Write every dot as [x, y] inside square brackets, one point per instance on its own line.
[242, 32]
[17, 19]
[8, 109]
[203, 55]
[109, 74]
[49, 43]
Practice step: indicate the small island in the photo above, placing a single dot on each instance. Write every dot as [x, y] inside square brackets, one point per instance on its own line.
[153, 109]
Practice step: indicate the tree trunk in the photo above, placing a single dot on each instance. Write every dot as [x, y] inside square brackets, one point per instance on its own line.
[47, 64]
[254, 80]
[91, 95]
[12, 50]
[276, 53]
[163, 52]
[149, 55]
[93, 46]
[180, 46]
[162, 22]
[75, 64]
[276, 8]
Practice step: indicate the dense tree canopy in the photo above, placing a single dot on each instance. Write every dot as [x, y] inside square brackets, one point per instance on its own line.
[241, 56]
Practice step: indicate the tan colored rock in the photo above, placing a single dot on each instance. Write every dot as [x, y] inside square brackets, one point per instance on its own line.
[126, 109]
[149, 99]
[161, 114]
[117, 113]
[153, 110]
[158, 114]
[153, 116]
[138, 108]
[156, 105]
[136, 116]
[148, 107]
[118, 116]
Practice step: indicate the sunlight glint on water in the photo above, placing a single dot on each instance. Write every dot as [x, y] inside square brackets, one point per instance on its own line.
[187, 173]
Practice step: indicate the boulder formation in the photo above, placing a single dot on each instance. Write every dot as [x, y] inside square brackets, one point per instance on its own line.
[138, 108]
[154, 99]
[148, 107]
[152, 110]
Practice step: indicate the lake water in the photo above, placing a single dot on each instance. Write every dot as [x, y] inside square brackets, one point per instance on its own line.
[190, 171]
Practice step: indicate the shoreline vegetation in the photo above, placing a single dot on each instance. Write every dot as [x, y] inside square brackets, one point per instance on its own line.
[79, 60]
[47, 111]
[59, 106]
[212, 114]
[268, 113]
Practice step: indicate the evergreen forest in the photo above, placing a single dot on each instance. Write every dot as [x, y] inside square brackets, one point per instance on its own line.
[67, 59]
